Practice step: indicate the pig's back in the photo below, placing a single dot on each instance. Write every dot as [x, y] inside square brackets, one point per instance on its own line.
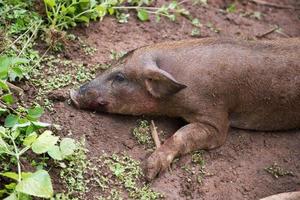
[258, 83]
[263, 85]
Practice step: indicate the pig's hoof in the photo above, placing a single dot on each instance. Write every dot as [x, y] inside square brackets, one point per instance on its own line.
[155, 164]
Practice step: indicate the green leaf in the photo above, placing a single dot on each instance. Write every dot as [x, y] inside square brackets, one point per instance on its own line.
[101, 10]
[2, 110]
[44, 142]
[26, 174]
[84, 19]
[50, 3]
[35, 113]
[71, 10]
[38, 184]
[11, 120]
[2, 131]
[55, 153]
[143, 15]
[67, 146]
[12, 196]
[3, 85]
[11, 175]
[5, 62]
[15, 133]
[10, 186]
[3, 146]
[2, 192]
[30, 139]
[16, 72]
[111, 11]
[8, 98]
[117, 169]
[15, 60]
[231, 8]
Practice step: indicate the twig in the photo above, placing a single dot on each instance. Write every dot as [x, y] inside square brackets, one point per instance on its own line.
[155, 135]
[274, 5]
[6, 106]
[267, 32]
[15, 88]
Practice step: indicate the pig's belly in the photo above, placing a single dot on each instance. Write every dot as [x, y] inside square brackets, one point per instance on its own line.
[266, 121]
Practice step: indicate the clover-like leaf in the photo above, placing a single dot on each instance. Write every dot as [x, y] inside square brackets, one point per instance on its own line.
[143, 15]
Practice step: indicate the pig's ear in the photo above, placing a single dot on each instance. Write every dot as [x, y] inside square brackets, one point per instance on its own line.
[161, 84]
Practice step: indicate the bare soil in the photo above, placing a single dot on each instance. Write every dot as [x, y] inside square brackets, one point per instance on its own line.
[234, 171]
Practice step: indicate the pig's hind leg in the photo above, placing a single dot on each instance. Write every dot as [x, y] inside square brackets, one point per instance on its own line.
[193, 136]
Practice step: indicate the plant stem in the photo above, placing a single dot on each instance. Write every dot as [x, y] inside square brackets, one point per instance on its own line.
[135, 7]
[18, 159]
[29, 39]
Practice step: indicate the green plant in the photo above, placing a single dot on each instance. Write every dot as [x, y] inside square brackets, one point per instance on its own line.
[231, 8]
[276, 171]
[142, 133]
[127, 172]
[63, 14]
[20, 27]
[20, 134]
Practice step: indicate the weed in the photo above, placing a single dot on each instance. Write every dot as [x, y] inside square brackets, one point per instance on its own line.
[212, 27]
[73, 172]
[20, 134]
[231, 8]
[276, 171]
[64, 14]
[196, 172]
[142, 133]
[114, 55]
[127, 172]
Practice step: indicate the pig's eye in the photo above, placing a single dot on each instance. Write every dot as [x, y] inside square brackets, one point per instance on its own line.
[119, 78]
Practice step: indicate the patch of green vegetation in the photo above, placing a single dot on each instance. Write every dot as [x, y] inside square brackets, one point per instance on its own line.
[196, 172]
[127, 174]
[63, 14]
[73, 173]
[54, 73]
[276, 171]
[142, 133]
[212, 27]
[114, 55]
[231, 8]
[19, 26]
[197, 25]
[22, 132]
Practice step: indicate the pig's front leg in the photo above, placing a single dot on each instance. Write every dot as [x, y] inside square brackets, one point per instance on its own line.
[191, 137]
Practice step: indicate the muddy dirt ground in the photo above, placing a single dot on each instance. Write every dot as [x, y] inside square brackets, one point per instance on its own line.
[235, 171]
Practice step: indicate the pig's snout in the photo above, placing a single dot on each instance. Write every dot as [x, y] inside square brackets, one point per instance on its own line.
[73, 95]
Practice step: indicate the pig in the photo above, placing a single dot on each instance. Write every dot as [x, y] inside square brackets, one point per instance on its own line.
[212, 83]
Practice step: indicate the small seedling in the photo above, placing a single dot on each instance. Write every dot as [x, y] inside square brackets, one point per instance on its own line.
[142, 133]
[276, 171]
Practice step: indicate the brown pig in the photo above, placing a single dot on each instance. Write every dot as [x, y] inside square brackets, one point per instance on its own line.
[210, 83]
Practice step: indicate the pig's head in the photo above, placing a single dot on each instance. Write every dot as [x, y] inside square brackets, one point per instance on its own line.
[133, 87]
